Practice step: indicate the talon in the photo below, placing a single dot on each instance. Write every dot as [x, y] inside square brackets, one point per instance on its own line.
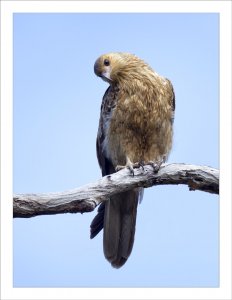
[141, 164]
[129, 165]
[156, 165]
[156, 168]
[136, 165]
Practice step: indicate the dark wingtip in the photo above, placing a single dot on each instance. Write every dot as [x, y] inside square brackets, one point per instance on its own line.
[98, 222]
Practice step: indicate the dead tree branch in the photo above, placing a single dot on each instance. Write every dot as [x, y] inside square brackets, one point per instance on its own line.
[86, 198]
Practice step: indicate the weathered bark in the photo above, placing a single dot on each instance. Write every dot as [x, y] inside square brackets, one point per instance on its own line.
[86, 198]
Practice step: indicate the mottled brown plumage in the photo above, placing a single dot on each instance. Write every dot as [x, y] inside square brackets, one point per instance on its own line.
[135, 126]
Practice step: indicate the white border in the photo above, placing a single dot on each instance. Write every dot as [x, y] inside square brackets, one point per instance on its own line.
[7, 10]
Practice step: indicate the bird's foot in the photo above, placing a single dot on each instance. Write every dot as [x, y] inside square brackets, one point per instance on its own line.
[131, 166]
[128, 166]
[139, 164]
[156, 165]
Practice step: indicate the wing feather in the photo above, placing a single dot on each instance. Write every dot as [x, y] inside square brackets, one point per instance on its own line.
[107, 106]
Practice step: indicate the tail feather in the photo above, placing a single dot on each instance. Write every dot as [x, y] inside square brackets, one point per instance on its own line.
[112, 228]
[119, 227]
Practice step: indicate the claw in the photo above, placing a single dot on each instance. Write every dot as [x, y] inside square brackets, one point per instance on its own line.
[156, 165]
[141, 164]
[129, 165]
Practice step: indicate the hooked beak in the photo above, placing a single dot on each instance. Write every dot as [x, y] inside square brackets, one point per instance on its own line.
[106, 76]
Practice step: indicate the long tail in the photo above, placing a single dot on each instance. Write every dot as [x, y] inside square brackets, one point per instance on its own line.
[119, 227]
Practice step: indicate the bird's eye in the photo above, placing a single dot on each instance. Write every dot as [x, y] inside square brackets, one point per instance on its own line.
[106, 62]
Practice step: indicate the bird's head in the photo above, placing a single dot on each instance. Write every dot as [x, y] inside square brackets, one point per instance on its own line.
[118, 67]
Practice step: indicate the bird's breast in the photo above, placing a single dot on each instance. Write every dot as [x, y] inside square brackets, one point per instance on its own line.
[138, 129]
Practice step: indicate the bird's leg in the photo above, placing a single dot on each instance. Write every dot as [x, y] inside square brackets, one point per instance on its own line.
[156, 165]
[139, 164]
[128, 165]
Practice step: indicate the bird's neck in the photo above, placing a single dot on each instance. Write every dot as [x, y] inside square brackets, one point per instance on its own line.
[134, 83]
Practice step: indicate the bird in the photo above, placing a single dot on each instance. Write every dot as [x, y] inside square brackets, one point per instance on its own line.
[135, 128]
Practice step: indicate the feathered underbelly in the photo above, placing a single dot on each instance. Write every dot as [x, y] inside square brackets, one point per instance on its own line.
[138, 134]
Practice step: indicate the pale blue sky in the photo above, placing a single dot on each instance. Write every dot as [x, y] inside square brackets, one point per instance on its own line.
[57, 102]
